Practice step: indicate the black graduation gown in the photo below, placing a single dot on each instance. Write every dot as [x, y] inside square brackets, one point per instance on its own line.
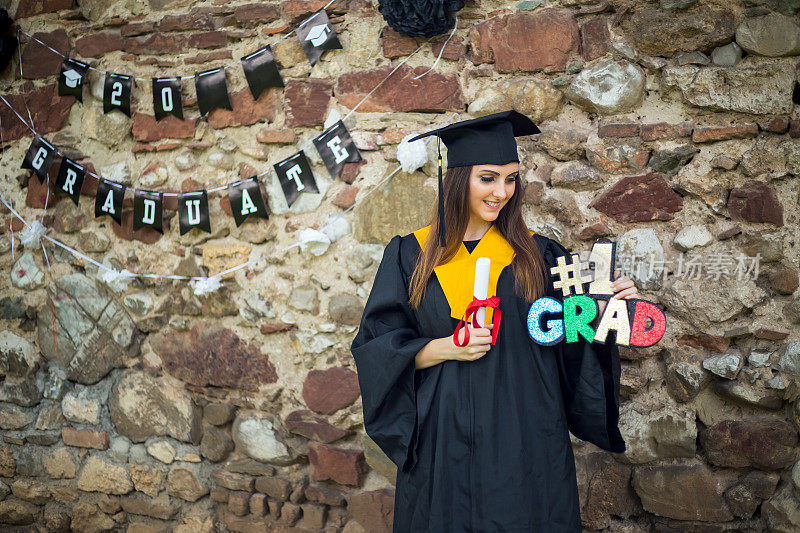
[481, 445]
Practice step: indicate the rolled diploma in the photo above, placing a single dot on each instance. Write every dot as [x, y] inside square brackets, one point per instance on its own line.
[481, 287]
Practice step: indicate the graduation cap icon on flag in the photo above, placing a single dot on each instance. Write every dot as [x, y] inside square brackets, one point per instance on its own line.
[318, 34]
[72, 78]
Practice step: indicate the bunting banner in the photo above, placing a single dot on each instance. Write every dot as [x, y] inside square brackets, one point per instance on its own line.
[212, 90]
[72, 77]
[336, 148]
[70, 179]
[109, 199]
[316, 35]
[167, 98]
[295, 176]
[39, 157]
[117, 93]
[148, 210]
[246, 200]
[193, 211]
[261, 71]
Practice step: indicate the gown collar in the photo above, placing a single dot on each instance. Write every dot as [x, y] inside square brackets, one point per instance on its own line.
[457, 275]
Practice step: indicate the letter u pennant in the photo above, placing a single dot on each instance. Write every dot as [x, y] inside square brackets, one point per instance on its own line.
[193, 211]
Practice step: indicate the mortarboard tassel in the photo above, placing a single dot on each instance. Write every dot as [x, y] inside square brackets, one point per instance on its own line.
[442, 236]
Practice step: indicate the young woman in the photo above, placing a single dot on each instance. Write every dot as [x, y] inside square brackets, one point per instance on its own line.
[480, 432]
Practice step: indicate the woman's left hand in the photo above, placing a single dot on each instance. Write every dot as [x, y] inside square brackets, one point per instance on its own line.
[623, 287]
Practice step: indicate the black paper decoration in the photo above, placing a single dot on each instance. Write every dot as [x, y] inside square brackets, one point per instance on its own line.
[261, 71]
[117, 93]
[8, 41]
[295, 176]
[148, 210]
[420, 18]
[70, 179]
[316, 35]
[167, 98]
[246, 200]
[193, 211]
[72, 77]
[212, 90]
[39, 157]
[336, 148]
[109, 199]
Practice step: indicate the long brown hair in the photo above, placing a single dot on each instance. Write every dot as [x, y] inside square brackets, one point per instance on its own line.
[530, 271]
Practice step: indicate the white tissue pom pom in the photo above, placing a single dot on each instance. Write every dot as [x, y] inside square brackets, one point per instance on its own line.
[412, 155]
[332, 119]
[205, 286]
[336, 227]
[32, 234]
[117, 281]
[313, 241]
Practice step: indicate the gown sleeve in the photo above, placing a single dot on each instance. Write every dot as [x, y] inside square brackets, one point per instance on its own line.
[384, 350]
[589, 375]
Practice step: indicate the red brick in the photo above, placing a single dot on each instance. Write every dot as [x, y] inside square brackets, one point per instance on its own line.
[205, 57]
[40, 194]
[592, 232]
[663, 130]
[97, 44]
[618, 130]
[40, 62]
[327, 391]
[246, 111]
[187, 21]
[342, 465]
[239, 502]
[542, 40]
[396, 44]
[755, 201]
[456, 48]
[285, 136]
[346, 197]
[85, 438]
[276, 487]
[771, 334]
[721, 133]
[255, 14]
[146, 129]
[49, 111]
[132, 29]
[714, 343]
[595, 38]
[307, 101]
[639, 199]
[776, 125]
[157, 43]
[209, 39]
[30, 8]
[433, 92]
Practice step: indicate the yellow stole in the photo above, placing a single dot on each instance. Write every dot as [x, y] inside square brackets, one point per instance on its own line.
[457, 276]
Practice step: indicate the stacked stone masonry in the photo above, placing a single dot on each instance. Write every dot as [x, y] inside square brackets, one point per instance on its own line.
[670, 126]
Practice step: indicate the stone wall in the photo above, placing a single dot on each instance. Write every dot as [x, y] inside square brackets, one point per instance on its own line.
[671, 126]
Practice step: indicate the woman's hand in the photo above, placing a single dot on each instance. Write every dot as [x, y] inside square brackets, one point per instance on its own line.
[439, 350]
[623, 288]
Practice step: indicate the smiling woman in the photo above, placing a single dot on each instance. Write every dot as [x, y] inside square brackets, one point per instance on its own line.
[479, 427]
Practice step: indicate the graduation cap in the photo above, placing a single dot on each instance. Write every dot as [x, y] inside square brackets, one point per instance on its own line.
[487, 140]
[71, 78]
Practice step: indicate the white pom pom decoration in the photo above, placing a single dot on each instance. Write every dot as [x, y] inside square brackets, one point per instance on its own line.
[205, 286]
[412, 155]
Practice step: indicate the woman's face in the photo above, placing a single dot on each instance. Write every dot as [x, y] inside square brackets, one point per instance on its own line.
[490, 188]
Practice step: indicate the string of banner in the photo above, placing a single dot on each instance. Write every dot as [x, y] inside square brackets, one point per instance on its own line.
[335, 145]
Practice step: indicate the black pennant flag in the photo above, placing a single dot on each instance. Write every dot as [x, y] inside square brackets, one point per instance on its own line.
[39, 157]
[336, 148]
[212, 90]
[193, 211]
[148, 210]
[109, 199]
[167, 98]
[295, 176]
[261, 71]
[72, 78]
[246, 200]
[317, 35]
[117, 93]
[70, 179]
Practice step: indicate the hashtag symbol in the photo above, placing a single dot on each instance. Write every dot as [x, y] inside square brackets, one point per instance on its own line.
[569, 275]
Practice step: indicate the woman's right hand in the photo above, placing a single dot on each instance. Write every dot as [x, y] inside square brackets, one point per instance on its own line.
[480, 341]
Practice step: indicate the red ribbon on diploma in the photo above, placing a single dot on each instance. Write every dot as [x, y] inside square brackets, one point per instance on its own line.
[472, 308]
